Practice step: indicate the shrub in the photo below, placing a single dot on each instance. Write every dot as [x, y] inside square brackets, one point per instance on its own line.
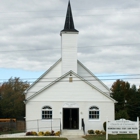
[57, 133]
[47, 133]
[33, 133]
[97, 132]
[103, 132]
[91, 131]
[28, 134]
[41, 133]
[104, 126]
[52, 133]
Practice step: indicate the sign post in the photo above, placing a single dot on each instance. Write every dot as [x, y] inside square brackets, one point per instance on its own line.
[138, 128]
[107, 129]
[122, 126]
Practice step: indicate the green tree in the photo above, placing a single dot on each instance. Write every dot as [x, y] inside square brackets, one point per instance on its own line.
[11, 103]
[120, 92]
[121, 114]
[133, 105]
[128, 98]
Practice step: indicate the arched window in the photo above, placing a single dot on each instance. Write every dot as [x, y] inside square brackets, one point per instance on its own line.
[94, 112]
[46, 112]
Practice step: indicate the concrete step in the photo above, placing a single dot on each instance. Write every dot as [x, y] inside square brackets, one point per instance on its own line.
[72, 133]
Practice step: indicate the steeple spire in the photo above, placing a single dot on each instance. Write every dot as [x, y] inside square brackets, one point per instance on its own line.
[69, 24]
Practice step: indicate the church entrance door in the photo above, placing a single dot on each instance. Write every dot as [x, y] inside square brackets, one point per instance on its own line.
[70, 118]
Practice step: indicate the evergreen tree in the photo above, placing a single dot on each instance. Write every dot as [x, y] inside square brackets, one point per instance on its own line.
[128, 98]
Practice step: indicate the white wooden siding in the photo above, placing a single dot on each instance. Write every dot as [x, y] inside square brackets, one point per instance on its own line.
[70, 91]
[69, 52]
[33, 112]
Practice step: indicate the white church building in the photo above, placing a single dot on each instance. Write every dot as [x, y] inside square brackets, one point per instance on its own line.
[68, 96]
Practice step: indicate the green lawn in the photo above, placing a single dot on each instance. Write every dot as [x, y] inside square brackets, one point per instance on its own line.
[111, 137]
[33, 138]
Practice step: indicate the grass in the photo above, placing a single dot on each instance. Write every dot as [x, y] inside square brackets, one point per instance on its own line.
[33, 138]
[111, 137]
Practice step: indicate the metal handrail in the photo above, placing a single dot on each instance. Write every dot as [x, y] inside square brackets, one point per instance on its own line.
[50, 125]
[83, 125]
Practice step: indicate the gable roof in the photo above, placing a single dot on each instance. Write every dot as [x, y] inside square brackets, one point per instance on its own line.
[58, 79]
[33, 84]
[42, 76]
[93, 75]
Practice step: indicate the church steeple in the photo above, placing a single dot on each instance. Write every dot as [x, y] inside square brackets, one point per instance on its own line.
[69, 38]
[69, 24]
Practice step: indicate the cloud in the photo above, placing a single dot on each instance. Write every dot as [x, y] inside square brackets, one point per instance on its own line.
[108, 41]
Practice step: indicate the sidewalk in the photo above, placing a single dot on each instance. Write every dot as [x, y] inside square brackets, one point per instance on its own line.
[13, 135]
[74, 137]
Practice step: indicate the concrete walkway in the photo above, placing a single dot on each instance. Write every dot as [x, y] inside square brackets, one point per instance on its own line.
[74, 137]
[23, 135]
[13, 135]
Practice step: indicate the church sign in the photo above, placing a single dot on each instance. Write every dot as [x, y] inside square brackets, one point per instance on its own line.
[122, 126]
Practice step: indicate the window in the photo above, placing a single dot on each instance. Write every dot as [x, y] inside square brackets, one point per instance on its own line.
[46, 112]
[94, 113]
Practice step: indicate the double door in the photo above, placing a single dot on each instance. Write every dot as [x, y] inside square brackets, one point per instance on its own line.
[70, 118]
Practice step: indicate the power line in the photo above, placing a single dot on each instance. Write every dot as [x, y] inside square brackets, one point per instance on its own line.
[93, 9]
[114, 75]
[13, 18]
[90, 80]
[48, 48]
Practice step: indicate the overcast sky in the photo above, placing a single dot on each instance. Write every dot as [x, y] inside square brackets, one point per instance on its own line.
[108, 44]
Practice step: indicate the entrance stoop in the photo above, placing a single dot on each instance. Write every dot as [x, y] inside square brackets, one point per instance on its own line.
[72, 133]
